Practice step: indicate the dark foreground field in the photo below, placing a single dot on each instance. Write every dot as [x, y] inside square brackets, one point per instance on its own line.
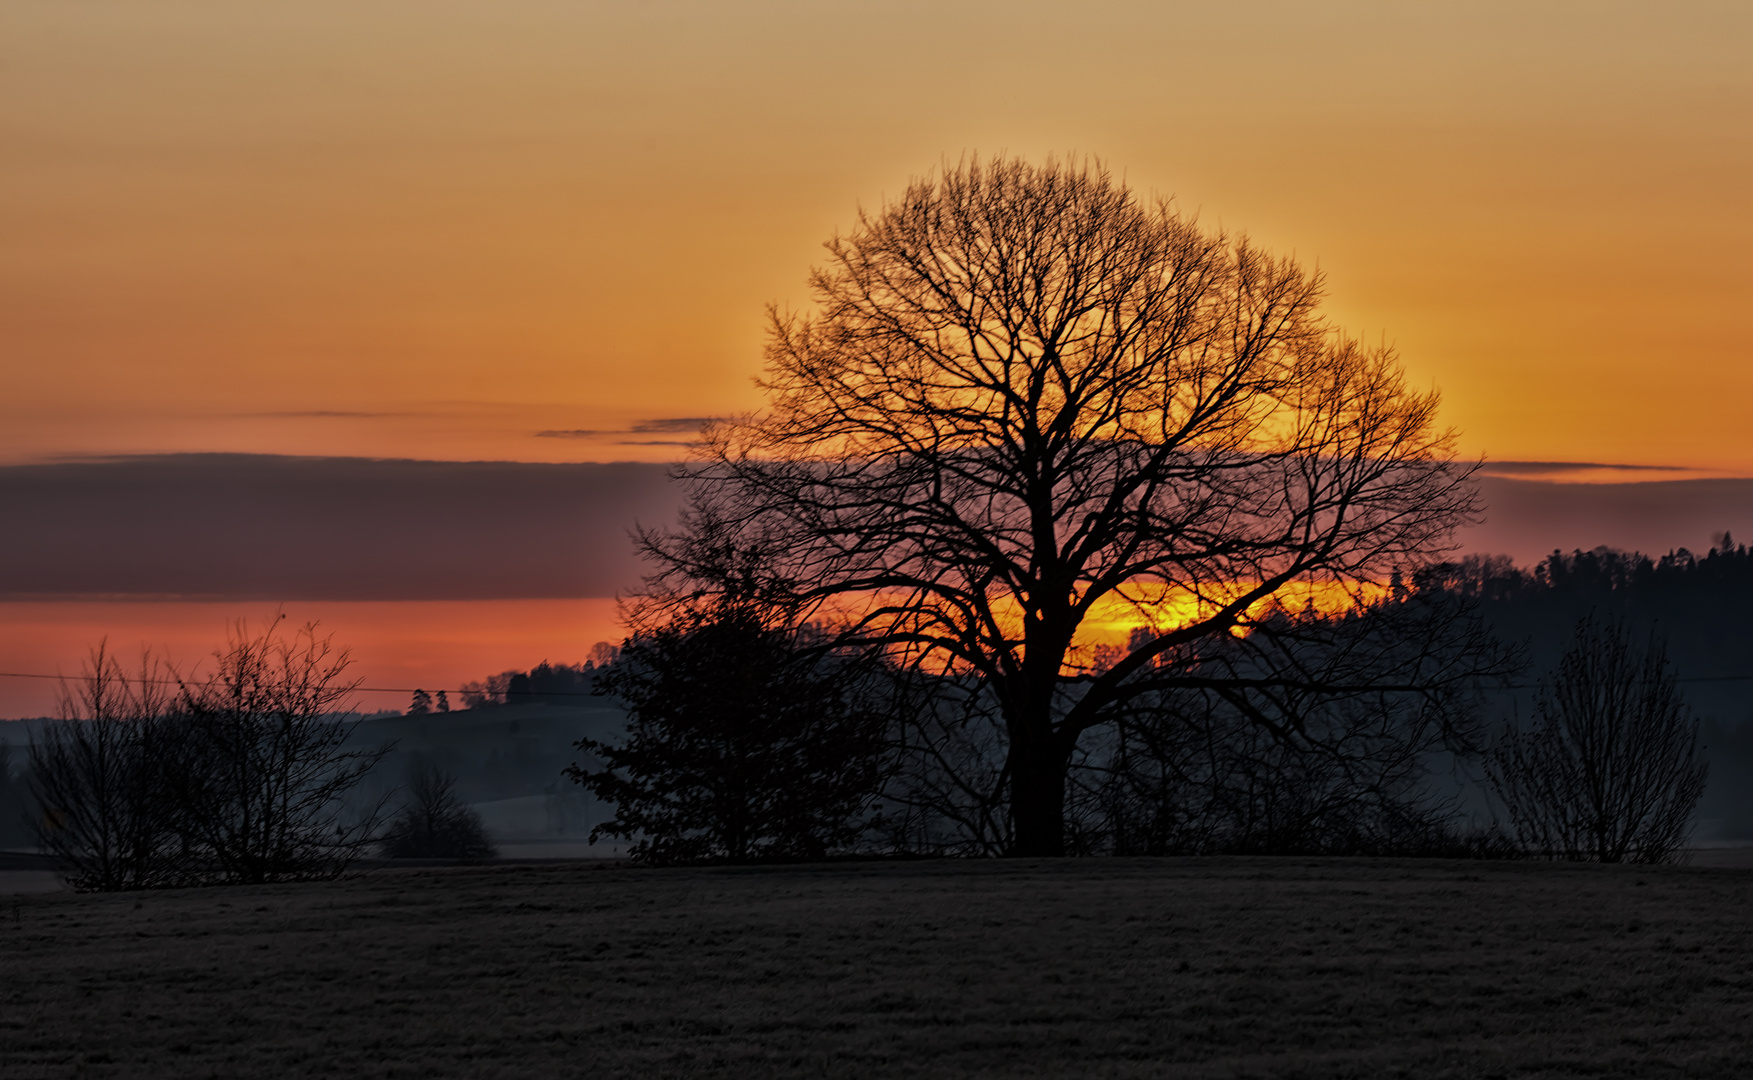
[1232, 967]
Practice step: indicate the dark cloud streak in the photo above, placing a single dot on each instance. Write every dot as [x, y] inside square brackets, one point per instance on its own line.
[1517, 467]
[258, 527]
[674, 426]
[1528, 519]
[234, 526]
[327, 414]
[688, 424]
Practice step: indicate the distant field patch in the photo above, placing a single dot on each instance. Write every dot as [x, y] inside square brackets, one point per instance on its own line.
[1082, 968]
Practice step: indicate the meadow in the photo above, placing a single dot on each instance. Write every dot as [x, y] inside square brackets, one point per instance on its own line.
[1229, 967]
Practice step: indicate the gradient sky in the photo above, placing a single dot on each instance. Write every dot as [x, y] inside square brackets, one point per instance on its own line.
[434, 229]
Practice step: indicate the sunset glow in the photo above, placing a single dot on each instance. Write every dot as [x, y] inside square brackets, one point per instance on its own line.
[535, 232]
[431, 645]
[436, 231]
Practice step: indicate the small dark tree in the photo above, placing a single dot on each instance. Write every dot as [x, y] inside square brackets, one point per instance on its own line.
[488, 692]
[434, 822]
[743, 744]
[1610, 770]
[420, 704]
[443, 701]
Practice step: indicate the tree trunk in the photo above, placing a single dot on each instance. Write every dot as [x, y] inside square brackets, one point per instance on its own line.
[1037, 799]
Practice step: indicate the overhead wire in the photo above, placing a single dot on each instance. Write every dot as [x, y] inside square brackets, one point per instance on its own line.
[587, 693]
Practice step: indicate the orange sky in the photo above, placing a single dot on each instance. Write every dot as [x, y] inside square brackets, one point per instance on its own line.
[433, 229]
[398, 645]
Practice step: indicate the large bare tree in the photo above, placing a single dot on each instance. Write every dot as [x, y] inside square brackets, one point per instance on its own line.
[1025, 392]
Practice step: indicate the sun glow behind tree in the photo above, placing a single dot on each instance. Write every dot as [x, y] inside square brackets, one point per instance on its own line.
[1028, 401]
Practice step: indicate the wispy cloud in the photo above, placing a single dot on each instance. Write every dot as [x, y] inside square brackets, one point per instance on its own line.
[342, 414]
[676, 425]
[1573, 466]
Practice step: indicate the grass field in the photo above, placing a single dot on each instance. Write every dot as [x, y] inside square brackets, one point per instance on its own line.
[1091, 968]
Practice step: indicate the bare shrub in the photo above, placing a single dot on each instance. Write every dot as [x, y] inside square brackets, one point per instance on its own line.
[265, 768]
[434, 822]
[948, 791]
[1198, 778]
[1610, 770]
[97, 778]
[238, 778]
[1311, 734]
[16, 826]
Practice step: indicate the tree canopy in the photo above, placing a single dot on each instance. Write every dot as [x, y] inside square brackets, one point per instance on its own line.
[1027, 394]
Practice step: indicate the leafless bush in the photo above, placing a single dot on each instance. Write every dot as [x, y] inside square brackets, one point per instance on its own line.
[1196, 777]
[264, 770]
[947, 791]
[16, 826]
[1609, 771]
[1311, 734]
[97, 779]
[240, 777]
[434, 823]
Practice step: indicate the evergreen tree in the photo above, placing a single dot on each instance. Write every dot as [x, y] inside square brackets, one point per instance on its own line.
[743, 744]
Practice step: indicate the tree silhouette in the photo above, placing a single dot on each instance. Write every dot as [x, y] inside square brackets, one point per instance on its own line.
[1026, 392]
[265, 768]
[743, 743]
[1609, 771]
[435, 823]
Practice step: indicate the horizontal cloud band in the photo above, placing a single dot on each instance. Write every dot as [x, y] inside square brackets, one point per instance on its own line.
[259, 527]
[235, 526]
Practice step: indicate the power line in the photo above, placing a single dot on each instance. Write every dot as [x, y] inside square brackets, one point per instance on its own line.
[351, 689]
[587, 693]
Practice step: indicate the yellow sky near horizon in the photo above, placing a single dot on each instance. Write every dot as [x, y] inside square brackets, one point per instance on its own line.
[436, 229]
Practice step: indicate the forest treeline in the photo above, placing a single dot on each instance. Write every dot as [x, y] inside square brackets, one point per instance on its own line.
[1701, 605]
[1700, 602]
